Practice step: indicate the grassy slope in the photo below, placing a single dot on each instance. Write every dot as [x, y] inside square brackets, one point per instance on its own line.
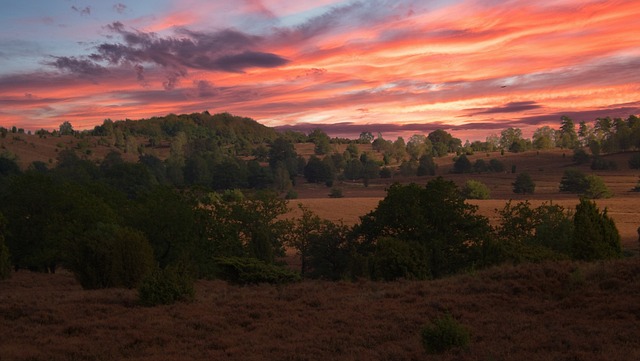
[566, 311]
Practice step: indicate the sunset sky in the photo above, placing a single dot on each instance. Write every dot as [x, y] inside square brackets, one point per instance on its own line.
[473, 67]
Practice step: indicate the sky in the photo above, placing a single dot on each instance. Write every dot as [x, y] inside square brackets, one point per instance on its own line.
[472, 67]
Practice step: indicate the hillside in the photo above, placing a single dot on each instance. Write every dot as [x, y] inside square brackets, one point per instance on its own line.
[565, 311]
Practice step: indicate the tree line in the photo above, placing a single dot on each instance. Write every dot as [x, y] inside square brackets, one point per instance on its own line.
[109, 236]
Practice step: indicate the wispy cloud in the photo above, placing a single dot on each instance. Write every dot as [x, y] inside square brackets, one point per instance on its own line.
[413, 65]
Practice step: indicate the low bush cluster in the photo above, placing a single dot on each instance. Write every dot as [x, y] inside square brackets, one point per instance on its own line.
[443, 334]
[165, 287]
[243, 270]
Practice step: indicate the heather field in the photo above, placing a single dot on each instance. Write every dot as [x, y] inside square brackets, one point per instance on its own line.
[554, 311]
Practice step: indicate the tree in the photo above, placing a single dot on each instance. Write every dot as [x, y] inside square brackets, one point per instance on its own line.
[443, 143]
[109, 256]
[524, 184]
[596, 236]
[462, 165]
[475, 190]
[573, 181]
[66, 128]
[567, 136]
[510, 136]
[417, 146]
[589, 186]
[533, 234]
[544, 138]
[434, 218]
[596, 188]
[426, 166]
[321, 141]
[365, 138]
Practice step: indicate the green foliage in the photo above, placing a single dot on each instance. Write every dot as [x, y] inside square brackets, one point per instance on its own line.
[532, 234]
[5, 257]
[573, 181]
[496, 166]
[596, 188]
[443, 334]
[634, 161]
[596, 236]
[397, 259]
[436, 217]
[475, 190]
[246, 270]
[109, 256]
[426, 166]
[600, 163]
[524, 184]
[580, 156]
[166, 287]
[336, 193]
[462, 165]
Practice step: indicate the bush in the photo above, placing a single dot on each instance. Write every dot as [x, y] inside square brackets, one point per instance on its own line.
[496, 166]
[599, 163]
[165, 287]
[110, 256]
[462, 165]
[524, 184]
[573, 181]
[475, 190]
[596, 188]
[5, 258]
[395, 259]
[243, 270]
[385, 172]
[580, 156]
[634, 161]
[443, 334]
[291, 194]
[336, 193]
[595, 236]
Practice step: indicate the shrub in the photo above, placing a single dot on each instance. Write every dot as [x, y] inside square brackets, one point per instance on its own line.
[244, 270]
[110, 256]
[336, 193]
[385, 172]
[637, 187]
[634, 161]
[573, 181]
[291, 194]
[5, 258]
[580, 156]
[596, 188]
[395, 259]
[600, 163]
[426, 166]
[475, 190]
[595, 236]
[462, 165]
[496, 166]
[443, 334]
[524, 184]
[165, 287]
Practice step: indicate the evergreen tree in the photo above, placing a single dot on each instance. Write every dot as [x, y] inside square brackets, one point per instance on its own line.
[595, 236]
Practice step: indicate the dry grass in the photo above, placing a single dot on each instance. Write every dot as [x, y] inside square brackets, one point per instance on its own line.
[566, 311]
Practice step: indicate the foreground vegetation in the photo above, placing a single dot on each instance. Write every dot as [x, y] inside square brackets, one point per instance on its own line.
[557, 311]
